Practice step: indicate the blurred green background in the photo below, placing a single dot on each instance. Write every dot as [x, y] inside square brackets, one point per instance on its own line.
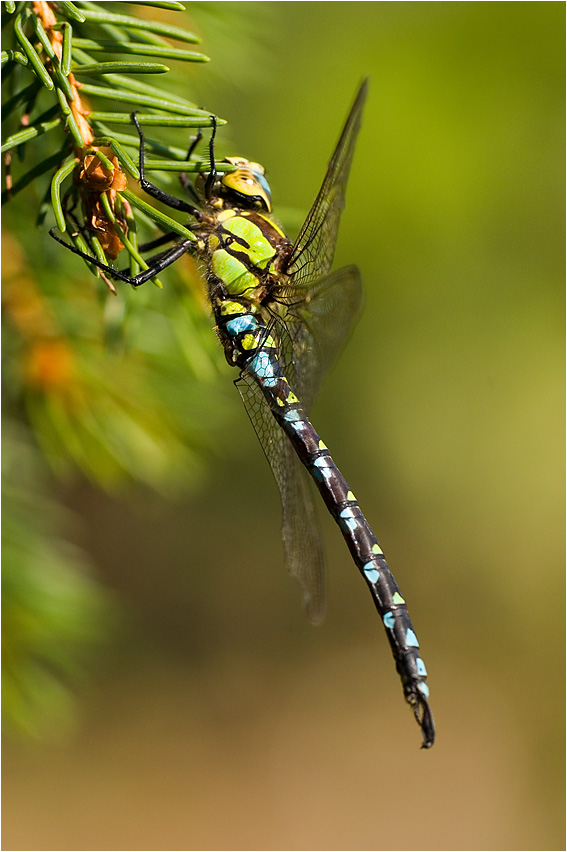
[213, 716]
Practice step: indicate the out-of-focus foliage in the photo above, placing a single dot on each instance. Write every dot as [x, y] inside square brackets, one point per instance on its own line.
[54, 612]
[91, 408]
[97, 378]
[228, 714]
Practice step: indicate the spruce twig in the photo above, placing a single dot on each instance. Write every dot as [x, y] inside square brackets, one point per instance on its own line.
[53, 42]
[72, 401]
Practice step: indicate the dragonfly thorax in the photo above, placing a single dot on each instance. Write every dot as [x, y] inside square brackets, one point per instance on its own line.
[244, 251]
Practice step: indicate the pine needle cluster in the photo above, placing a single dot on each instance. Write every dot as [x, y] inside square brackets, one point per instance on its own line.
[99, 381]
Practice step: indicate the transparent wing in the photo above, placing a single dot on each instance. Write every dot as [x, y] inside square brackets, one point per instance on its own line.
[314, 318]
[312, 254]
[310, 338]
[318, 326]
[303, 552]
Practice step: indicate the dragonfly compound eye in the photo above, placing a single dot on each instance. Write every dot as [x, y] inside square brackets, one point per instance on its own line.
[248, 184]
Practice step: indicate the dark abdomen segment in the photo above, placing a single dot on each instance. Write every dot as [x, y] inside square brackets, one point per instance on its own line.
[258, 358]
[368, 557]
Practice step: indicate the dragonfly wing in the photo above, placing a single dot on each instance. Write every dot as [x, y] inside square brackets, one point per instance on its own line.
[316, 315]
[303, 551]
[312, 254]
[319, 325]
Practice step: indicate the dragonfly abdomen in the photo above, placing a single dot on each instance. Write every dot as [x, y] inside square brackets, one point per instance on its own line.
[368, 556]
[361, 541]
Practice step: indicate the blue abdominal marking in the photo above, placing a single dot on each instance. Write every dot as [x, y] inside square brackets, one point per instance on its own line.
[239, 324]
[262, 366]
[421, 670]
[371, 571]
[411, 639]
[348, 519]
[389, 620]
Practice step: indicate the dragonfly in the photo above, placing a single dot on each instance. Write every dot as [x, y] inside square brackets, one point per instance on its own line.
[281, 317]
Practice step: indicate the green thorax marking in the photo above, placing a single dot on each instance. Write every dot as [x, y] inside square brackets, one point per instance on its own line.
[240, 263]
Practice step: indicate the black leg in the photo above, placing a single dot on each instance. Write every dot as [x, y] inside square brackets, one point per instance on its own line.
[155, 264]
[114, 273]
[159, 241]
[212, 176]
[188, 187]
[81, 229]
[183, 179]
[171, 254]
[193, 144]
[161, 261]
[155, 191]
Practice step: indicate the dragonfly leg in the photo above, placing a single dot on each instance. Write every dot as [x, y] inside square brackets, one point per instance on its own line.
[183, 177]
[212, 176]
[159, 241]
[153, 190]
[155, 264]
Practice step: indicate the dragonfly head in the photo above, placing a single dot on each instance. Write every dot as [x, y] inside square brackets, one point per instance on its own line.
[246, 187]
